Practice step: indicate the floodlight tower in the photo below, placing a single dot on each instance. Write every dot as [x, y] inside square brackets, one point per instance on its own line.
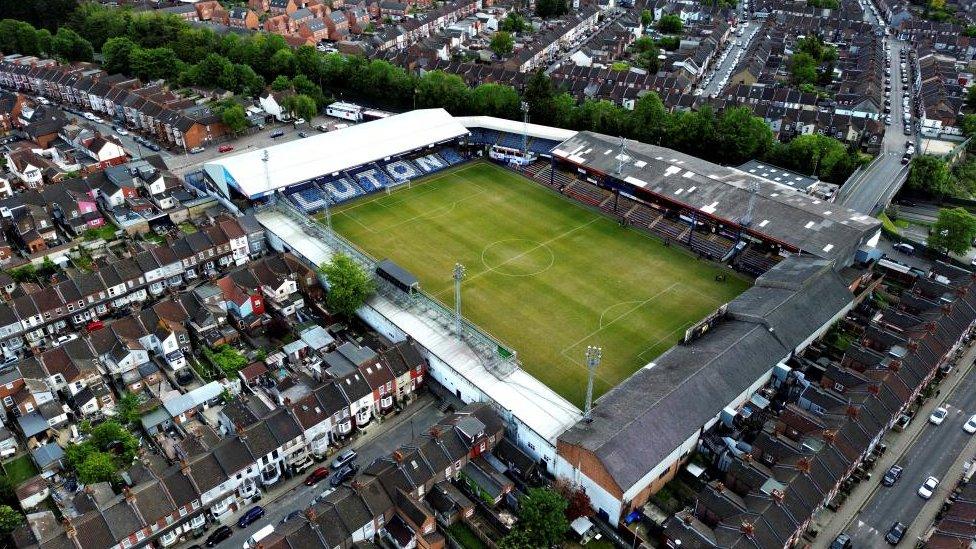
[265, 157]
[621, 156]
[593, 356]
[458, 276]
[328, 211]
[753, 191]
[525, 131]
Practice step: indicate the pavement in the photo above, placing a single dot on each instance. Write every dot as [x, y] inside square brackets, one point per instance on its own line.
[874, 188]
[923, 450]
[289, 495]
[730, 60]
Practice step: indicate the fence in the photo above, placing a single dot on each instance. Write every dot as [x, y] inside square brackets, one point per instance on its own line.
[497, 357]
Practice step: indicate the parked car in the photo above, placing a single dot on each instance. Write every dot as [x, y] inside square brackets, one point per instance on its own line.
[895, 533]
[343, 475]
[322, 128]
[843, 541]
[970, 425]
[938, 416]
[121, 131]
[219, 535]
[317, 476]
[906, 249]
[293, 515]
[197, 150]
[892, 476]
[252, 514]
[225, 148]
[928, 487]
[276, 134]
[344, 459]
[64, 339]
[302, 134]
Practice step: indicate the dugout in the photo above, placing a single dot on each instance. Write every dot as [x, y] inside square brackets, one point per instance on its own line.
[397, 275]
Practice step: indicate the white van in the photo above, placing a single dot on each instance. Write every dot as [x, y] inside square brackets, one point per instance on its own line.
[258, 536]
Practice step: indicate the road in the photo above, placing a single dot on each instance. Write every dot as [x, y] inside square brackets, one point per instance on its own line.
[608, 17]
[730, 57]
[128, 141]
[931, 454]
[424, 414]
[876, 187]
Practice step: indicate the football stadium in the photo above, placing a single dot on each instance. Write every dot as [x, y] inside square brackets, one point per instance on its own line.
[697, 282]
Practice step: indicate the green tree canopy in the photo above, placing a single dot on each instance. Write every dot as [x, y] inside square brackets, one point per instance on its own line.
[235, 118]
[349, 285]
[227, 358]
[155, 63]
[10, 519]
[127, 408]
[929, 174]
[502, 44]
[495, 100]
[281, 83]
[302, 106]
[542, 520]
[513, 23]
[551, 8]
[670, 24]
[117, 53]
[742, 136]
[647, 17]
[953, 231]
[68, 45]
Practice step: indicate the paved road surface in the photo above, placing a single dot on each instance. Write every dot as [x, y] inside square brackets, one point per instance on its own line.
[936, 448]
[719, 69]
[424, 415]
[877, 186]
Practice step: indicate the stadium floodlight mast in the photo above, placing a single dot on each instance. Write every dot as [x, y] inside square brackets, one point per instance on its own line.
[593, 356]
[525, 132]
[458, 276]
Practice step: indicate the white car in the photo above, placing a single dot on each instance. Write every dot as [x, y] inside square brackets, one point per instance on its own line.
[64, 339]
[938, 416]
[970, 425]
[928, 487]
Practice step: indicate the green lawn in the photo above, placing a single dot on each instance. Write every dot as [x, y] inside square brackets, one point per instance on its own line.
[20, 469]
[544, 274]
[465, 537]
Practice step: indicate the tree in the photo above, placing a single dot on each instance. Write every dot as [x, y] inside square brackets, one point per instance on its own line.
[10, 519]
[513, 23]
[647, 17]
[349, 286]
[647, 52]
[235, 118]
[967, 124]
[742, 136]
[970, 31]
[117, 54]
[953, 231]
[670, 24]
[438, 88]
[281, 83]
[68, 45]
[97, 467]
[156, 63]
[302, 106]
[516, 539]
[539, 94]
[649, 118]
[282, 62]
[542, 518]
[803, 68]
[127, 408]
[551, 8]
[502, 44]
[929, 174]
[495, 100]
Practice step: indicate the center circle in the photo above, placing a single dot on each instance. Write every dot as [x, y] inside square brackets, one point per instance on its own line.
[518, 257]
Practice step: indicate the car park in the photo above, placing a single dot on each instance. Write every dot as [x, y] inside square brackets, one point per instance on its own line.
[938, 416]
[892, 475]
[895, 533]
[928, 487]
[219, 535]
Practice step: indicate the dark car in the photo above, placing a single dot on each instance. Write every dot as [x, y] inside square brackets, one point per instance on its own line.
[219, 535]
[317, 476]
[895, 533]
[343, 474]
[892, 476]
[302, 134]
[252, 514]
[842, 541]
[276, 134]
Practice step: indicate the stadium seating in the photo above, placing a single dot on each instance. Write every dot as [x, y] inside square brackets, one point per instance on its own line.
[670, 230]
[402, 170]
[484, 137]
[510, 140]
[755, 262]
[451, 156]
[586, 193]
[542, 146]
[307, 197]
[711, 245]
[373, 179]
[342, 189]
[430, 163]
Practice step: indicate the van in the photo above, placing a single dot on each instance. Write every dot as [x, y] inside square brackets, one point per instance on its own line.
[256, 537]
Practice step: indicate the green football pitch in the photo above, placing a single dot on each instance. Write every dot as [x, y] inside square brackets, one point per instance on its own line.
[545, 275]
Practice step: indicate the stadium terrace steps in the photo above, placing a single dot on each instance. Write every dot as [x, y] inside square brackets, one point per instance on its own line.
[451, 156]
[712, 246]
[755, 262]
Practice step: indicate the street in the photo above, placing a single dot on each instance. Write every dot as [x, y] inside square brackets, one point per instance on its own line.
[376, 443]
[727, 60]
[931, 454]
[871, 191]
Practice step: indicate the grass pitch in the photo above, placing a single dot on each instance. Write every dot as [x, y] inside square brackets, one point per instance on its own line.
[544, 275]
